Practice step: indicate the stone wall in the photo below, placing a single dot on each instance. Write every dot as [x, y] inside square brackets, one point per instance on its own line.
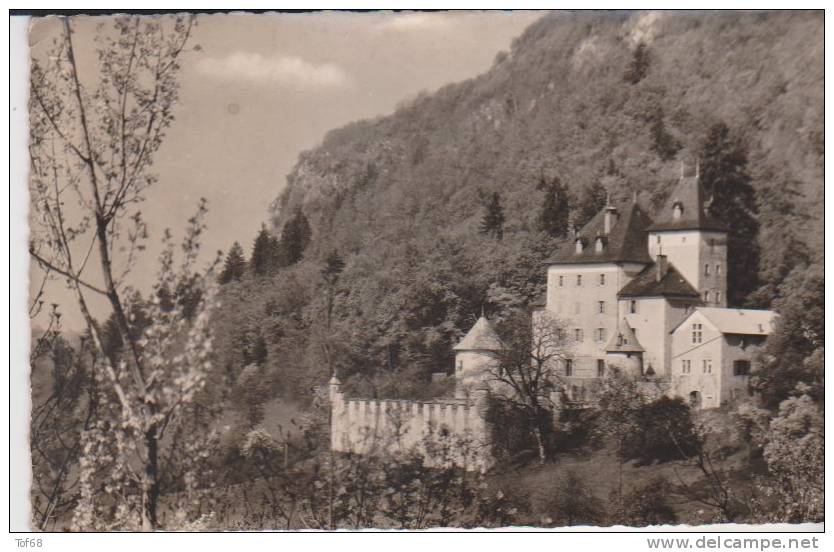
[368, 426]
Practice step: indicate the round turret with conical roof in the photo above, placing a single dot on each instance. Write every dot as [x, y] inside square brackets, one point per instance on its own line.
[475, 357]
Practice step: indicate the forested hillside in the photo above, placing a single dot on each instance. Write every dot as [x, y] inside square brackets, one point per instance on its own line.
[202, 406]
[415, 222]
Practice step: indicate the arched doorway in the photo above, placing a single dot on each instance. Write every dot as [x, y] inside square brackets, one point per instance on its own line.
[695, 399]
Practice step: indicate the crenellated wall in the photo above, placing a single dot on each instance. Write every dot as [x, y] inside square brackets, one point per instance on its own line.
[455, 426]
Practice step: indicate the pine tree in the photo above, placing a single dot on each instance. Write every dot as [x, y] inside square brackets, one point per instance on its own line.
[235, 265]
[663, 143]
[493, 222]
[276, 254]
[259, 351]
[639, 65]
[555, 211]
[733, 201]
[263, 253]
[591, 200]
[295, 238]
[333, 267]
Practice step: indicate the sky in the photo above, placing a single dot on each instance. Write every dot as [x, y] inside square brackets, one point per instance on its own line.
[263, 88]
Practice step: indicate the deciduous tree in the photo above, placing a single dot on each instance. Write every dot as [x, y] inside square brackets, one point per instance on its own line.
[92, 142]
[525, 374]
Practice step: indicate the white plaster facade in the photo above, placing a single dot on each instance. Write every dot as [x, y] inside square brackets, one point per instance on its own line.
[583, 297]
[701, 258]
[713, 357]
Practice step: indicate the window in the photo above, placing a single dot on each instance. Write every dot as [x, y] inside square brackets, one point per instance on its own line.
[600, 334]
[741, 368]
[602, 279]
[717, 269]
[717, 296]
[577, 334]
[677, 211]
[561, 281]
[706, 366]
[706, 297]
[706, 269]
[632, 307]
[460, 365]
[697, 334]
[686, 367]
[600, 368]
[634, 331]
[658, 239]
[569, 367]
[578, 280]
[602, 307]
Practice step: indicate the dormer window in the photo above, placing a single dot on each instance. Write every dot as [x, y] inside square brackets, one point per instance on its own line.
[580, 245]
[677, 211]
[601, 242]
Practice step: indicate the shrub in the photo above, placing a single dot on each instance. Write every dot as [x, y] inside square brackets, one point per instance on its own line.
[663, 431]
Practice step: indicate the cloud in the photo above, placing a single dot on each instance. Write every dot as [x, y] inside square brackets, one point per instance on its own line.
[278, 70]
[414, 22]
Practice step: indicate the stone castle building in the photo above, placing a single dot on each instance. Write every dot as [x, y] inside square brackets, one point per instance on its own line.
[646, 296]
[650, 297]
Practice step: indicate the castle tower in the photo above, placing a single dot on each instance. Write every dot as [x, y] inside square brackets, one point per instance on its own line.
[692, 241]
[624, 351]
[475, 357]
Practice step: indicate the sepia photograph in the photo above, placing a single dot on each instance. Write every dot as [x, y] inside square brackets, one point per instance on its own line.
[421, 270]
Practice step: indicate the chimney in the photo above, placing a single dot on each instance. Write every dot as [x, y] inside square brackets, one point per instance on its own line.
[335, 388]
[662, 267]
[609, 219]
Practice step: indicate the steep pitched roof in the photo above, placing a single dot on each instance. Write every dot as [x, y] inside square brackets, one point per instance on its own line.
[626, 240]
[646, 284]
[624, 340]
[480, 338]
[689, 194]
[740, 321]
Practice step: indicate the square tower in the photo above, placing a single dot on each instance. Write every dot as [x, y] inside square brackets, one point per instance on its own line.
[693, 242]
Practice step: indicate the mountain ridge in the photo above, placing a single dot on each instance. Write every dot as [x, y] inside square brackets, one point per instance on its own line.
[557, 104]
